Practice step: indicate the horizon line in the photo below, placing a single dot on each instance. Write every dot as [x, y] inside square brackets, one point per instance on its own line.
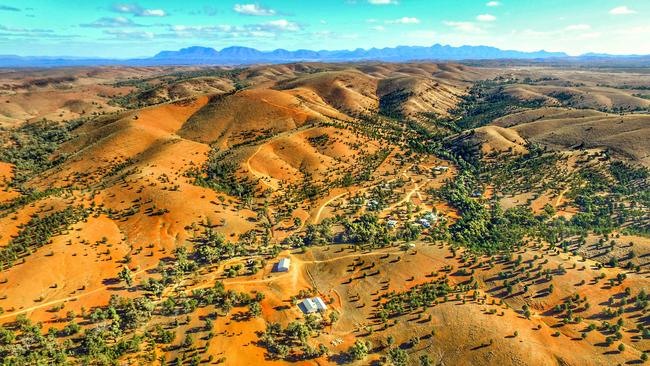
[82, 57]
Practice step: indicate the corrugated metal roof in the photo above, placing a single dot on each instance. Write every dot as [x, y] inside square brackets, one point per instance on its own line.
[309, 306]
[283, 264]
[320, 304]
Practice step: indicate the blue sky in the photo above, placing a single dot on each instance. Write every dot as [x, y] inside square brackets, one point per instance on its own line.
[132, 29]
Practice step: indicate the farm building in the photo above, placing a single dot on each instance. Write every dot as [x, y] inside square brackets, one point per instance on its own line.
[320, 304]
[308, 306]
[283, 265]
[312, 305]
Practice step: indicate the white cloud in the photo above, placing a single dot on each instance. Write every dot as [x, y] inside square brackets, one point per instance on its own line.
[493, 3]
[201, 28]
[153, 13]
[281, 25]
[404, 20]
[577, 27]
[486, 18]
[468, 27]
[382, 2]
[379, 28]
[622, 10]
[129, 34]
[38, 33]
[253, 9]
[139, 11]
[107, 22]
[267, 30]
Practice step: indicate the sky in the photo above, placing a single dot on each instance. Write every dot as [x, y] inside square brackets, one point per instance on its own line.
[141, 29]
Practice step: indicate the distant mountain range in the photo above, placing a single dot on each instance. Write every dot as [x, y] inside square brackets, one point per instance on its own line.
[243, 56]
[401, 53]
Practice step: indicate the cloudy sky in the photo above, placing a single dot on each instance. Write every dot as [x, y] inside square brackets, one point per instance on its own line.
[133, 29]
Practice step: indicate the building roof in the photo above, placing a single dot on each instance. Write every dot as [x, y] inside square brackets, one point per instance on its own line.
[283, 265]
[320, 304]
[312, 305]
[308, 306]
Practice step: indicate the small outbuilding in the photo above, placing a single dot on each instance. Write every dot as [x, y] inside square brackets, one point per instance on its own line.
[312, 305]
[283, 265]
[320, 304]
[308, 306]
[431, 217]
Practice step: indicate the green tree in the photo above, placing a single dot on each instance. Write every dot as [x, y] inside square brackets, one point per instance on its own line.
[126, 275]
[334, 317]
[359, 350]
[398, 357]
[425, 360]
[297, 221]
[254, 309]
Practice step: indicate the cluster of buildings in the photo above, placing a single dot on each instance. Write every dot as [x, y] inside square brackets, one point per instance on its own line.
[429, 219]
[373, 205]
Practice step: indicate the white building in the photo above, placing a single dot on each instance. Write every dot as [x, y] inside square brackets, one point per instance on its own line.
[312, 305]
[283, 265]
[431, 217]
[320, 304]
[308, 306]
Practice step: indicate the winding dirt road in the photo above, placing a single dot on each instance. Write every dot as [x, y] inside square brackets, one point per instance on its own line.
[262, 177]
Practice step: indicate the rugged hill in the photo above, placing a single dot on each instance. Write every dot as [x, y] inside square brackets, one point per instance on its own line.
[625, 135]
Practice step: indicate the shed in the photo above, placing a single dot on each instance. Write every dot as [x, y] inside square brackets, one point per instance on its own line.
[308, 306]
[283, 265]
[312, 305]
[320, 304]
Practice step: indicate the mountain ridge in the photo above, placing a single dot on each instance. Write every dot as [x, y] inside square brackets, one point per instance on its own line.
[239, 55]
[399, 53]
